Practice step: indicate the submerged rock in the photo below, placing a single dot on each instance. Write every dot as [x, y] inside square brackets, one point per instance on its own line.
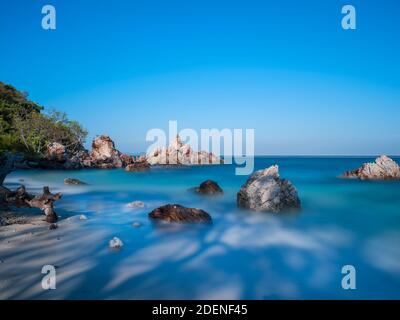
[208, 187]
[384, 168]
[178, 213]
[265, 191]
[72, 181]
[136, 224]
[179, 153]
[115, 243]
[135, 204]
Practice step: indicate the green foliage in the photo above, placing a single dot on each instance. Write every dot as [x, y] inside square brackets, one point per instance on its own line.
[24, 128]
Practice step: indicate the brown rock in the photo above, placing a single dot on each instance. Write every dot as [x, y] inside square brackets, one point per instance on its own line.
[137, 167]
[209, 187]
[178, 213]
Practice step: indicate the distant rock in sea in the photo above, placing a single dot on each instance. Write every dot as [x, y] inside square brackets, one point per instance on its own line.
[83, 217]
[208, 187]
[181, 154]
[266, 191]
[178, 213]
[384, 168]
[73, 181]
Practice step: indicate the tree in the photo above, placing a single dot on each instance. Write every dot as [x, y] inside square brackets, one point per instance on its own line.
[25, 128]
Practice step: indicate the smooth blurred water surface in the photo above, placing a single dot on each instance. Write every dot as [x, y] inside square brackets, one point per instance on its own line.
[242, 254]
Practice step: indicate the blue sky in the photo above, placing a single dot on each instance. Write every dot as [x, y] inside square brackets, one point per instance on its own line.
[285, 68]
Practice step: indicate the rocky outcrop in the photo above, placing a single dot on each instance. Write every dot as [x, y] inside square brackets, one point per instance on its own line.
[180, 214]
[208, 187]
[181, 154]
[103, 155]
[266, 191]
[384, 168]
[73, 181]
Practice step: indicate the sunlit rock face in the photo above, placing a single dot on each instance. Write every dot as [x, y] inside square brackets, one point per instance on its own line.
[179, 153]
[266, 191]
[104, 153]
[384, 168]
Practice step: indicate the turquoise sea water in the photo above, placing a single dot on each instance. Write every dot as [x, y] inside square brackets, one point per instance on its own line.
[241, 254]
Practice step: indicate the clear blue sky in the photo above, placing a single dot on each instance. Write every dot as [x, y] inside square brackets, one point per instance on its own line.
[285, 68]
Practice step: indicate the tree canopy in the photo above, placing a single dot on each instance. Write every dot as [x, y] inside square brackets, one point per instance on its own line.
[25, 126]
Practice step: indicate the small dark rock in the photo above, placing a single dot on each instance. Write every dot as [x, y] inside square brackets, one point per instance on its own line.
[72, 181]
[53, 226]
[208, 187]
[178, 213]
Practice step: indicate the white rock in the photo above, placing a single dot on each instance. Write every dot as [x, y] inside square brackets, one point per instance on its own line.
[82, 217]
[115, 243]
[383, 168]
[136, 224]
[265, 191]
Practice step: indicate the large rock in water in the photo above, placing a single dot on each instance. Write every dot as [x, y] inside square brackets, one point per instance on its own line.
[383, 168]
[178, 213]
[181, 154]
[266, 191]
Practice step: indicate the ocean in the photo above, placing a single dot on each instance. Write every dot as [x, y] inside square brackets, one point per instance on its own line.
[241, 255]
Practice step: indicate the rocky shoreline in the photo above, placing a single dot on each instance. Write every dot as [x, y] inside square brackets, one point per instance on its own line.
[264, 190]
[104, 155]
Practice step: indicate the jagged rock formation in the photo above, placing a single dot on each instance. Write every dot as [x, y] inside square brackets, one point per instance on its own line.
[180, 154]
[265, 191]
[178, 213]
[384, 168]
[208, 187]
